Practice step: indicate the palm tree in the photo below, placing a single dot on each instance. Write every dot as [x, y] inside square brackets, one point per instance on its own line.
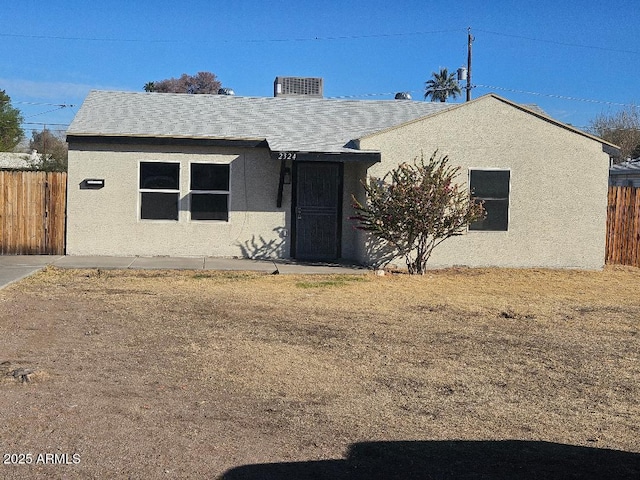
[442, 86]
[149, 87]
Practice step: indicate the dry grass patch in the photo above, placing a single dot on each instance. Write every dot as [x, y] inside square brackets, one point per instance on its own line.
[159, 373]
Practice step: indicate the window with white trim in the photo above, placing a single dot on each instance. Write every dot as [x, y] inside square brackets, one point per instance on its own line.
[159, 190]
[492, 188]
[209, 195]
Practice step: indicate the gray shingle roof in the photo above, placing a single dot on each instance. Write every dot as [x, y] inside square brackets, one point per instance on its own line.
[288, 124]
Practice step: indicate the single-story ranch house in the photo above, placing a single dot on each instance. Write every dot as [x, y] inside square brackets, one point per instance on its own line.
[159, 174]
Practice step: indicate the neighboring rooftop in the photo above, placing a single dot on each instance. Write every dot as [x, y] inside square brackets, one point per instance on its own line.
[17, 161]
[625, 174]
[630, 166]
[300, 124]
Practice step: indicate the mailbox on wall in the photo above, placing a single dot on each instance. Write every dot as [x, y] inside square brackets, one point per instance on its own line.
[92, 184]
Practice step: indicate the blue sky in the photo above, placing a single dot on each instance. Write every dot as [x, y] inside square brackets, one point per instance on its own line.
[575, 59]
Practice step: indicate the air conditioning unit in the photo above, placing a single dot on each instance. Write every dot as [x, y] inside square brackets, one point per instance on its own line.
[297, 87]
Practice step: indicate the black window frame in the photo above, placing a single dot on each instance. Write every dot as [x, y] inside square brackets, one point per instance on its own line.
[159, 191]
[496, 195]
[205, 193]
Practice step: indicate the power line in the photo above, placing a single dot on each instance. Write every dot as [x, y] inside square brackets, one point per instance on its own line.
[363, 95]
[48, 111]
[85, 39]
[493, 87]
[266, 40]
[46, 124]
[557, 42]
[377, 35]
[315, 38]
[63, 105]
[551, 95]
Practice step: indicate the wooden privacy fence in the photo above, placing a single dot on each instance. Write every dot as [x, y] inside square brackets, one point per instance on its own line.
[623, 226]
[32, 213]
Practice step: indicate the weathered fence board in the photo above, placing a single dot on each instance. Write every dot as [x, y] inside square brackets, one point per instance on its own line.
[32, 213]
[623, 226]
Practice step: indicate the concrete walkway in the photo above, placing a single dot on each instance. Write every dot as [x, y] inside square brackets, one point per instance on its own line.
[17, 267]
[14, 268]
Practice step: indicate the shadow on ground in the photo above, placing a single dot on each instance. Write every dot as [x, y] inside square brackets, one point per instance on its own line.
[439, 460]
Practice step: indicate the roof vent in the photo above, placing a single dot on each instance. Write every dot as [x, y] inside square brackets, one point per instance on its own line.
[403, 96]
[297, 87]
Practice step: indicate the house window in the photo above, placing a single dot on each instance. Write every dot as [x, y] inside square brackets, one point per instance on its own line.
[159, 190]
[492, 187]
[209, 191]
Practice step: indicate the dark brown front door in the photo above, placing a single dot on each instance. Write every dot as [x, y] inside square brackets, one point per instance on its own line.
[317, 210]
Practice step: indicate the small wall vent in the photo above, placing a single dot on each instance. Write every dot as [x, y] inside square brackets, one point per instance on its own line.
[298, 87]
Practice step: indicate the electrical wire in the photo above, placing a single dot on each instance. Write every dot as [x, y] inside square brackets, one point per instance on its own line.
[557, 42]
[364, 95]
[266, 40]
[46, 126]
[46, 123]
[43, 113]
[85, 39]
[551, 95]
[492, 87]
[318, 38]
[62, 105]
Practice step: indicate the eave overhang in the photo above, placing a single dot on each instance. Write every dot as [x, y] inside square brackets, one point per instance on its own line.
[75, 139]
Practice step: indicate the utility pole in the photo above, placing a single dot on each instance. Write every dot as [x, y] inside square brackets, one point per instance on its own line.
[469, 44]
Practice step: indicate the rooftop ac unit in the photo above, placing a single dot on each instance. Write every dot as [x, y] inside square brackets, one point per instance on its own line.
[297, 86]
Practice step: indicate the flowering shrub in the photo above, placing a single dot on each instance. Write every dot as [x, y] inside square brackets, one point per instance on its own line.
[415, 207]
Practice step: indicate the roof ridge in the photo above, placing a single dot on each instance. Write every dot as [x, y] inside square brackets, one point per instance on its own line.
[270, 98]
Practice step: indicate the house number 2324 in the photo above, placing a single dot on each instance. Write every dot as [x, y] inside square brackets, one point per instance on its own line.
[287, 156]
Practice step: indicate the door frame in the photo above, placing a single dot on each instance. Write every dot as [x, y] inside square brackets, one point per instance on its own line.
[294, 205]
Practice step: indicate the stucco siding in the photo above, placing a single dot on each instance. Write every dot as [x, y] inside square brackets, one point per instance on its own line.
[558, 191]
[107, 221]
[354, 172]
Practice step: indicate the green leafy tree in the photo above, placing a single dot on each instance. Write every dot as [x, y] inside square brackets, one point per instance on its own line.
[201, 82]
[52, 150]
[442, 86]
[622, 129]
[415, 207]
[10, 119]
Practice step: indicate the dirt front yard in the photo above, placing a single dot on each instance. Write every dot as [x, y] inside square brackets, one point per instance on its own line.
[458, 374]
